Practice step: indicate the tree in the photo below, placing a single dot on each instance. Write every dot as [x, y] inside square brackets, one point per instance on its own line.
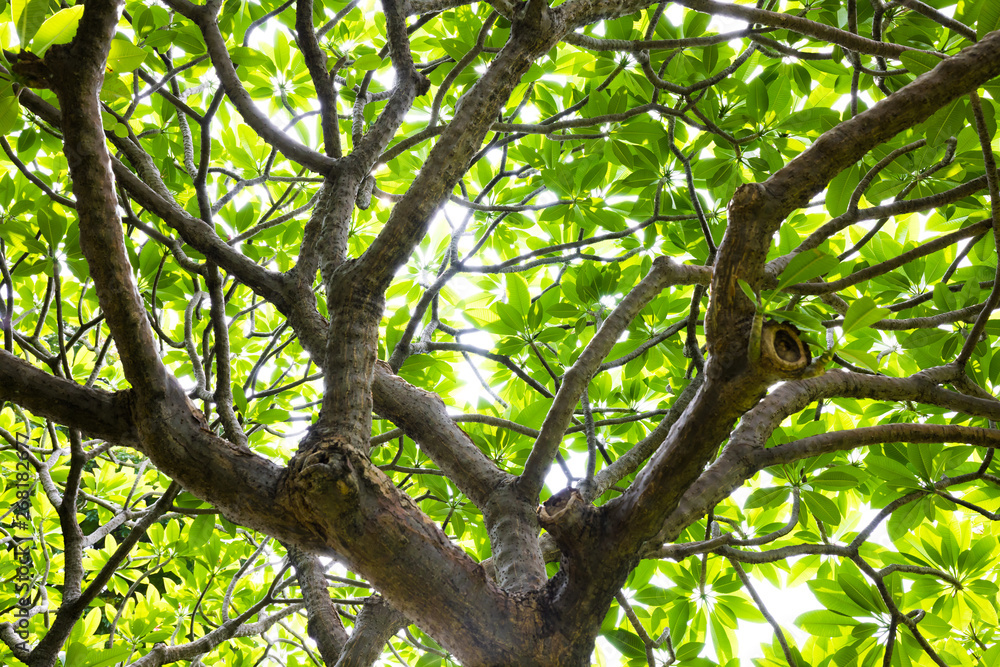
[306, 296]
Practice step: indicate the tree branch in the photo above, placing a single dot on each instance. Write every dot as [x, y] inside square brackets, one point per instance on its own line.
[836, 441]
[204, 16]
[663, 273]
[95, 412]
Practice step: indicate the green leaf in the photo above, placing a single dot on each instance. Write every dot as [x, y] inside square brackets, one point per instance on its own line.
[124, 56]
[247, 57]
[859, 591]
[52, 226]
[805, 266]
[919, 62]
[201, 530]
[562, 310]
[822, 507]
[510, 317]
[840, 189]
[946, 123]
[825, 623]
[28, 16]
[831, 595]
[282, 52]
[809, 121]
[991, 656]
[891, 471]
[745, 286]
[517, 294]
[862, 313]
[905, 519]
[76, 655]
[766, 497]
[840, 478]
[654, 596]
[757, 101]
[801, 319]
[368, 61]
[60, 28]
[107, 657]
[627, 643]
[989, 18]
[10, 110]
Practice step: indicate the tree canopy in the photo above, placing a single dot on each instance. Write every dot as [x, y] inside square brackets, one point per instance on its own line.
[490, 333]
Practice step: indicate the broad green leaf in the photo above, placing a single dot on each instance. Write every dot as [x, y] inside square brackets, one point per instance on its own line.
[107, 657]
[832, 596]
[680, 616]
[988, 19]
[840, 478]
[247, 57]
[201, 530]
[822, 507]
[10, 110]
[91, 621]
[991, 656]
[805, 266]
[76, 654]
[946, 123]
[628, 643]
[282, 52]
[810, 121]
[825, 623]
[801, 319]
[891, 471]
[124, 56]
[517, 294]
[510, 317]
[840, 189]
[52, 226]
[859, 591]
[745, 286]
[862, 313]
[919, 62]
[766, 497]
[57, 29]
[562, 310]
[757, 101]
[905, 519]
[368, 61]
[651, 595]
[28, 17]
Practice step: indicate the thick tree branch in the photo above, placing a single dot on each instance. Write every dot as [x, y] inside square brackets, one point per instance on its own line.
[322, 80]
[409, 84]
[532, 34]
[663, 273]
[837, 441]
[95, 412]
[204, 16]
[76, 72]
[800, 180]
[825, 33]
[424, 417]
[324, 623]
[986, 144]
[377, 622]
[758, 210]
